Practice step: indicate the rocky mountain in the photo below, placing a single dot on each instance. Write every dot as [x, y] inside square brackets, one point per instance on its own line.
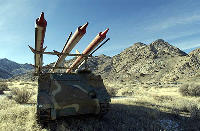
[10, 68]
[5, 74]
[155, 62]
[158, 62]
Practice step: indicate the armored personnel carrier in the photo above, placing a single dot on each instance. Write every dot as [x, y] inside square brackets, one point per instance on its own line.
[68, 93]
[63, 94]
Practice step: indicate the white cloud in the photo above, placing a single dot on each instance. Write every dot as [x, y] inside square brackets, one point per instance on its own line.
[173, 21]
[187, 44]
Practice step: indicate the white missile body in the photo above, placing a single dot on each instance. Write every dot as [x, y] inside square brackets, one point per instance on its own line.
[79, 33]
[95, 42]
[40, 29]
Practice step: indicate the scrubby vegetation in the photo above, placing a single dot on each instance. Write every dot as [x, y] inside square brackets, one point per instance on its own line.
[147, 109]
[195, 112]
[17, 117]
[190, 90]
[3, 87]
[112, 91]
[21, 95]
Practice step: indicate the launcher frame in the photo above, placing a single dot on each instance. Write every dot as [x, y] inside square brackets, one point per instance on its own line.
[59, 54]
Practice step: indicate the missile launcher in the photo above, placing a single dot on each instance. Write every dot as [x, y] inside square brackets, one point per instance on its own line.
[69, 93]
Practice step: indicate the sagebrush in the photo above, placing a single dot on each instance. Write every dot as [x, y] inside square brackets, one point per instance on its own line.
[112, 91]
[3, 87]
[21, 95]
[190, 90]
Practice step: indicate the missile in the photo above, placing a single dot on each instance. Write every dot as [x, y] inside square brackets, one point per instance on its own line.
[40, 29]
[95, 42]
[79, 33]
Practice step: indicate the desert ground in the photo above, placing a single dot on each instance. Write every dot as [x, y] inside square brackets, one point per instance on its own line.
[134, 106]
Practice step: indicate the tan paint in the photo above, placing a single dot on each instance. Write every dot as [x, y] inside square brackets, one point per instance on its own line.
[76, 106]
[55, 92]
[98, 106]
[78, 86]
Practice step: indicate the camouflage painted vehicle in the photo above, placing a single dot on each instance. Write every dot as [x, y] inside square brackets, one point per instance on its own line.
[68, 94]
[71, 94]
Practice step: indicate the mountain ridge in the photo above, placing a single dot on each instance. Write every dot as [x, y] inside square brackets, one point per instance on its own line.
[158, 61]
[10, 68]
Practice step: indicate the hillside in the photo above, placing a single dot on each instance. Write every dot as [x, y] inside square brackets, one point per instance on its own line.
[156, 62]
[10, 68]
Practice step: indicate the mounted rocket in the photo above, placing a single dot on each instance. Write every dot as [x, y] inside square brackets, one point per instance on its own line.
[79, 33]
[95, 42]
[40, 29]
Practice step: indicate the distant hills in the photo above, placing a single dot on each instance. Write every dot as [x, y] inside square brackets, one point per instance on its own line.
[191, 49]
[156, 62]
[10, 68]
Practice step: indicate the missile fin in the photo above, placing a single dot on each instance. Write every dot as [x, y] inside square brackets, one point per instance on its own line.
[58, 53]
[33, 50]
[44, 49]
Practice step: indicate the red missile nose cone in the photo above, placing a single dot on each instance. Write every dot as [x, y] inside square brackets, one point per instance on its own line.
[41, 17]
[84, 26]
[41, 21]
[82, 29]
[104, 33]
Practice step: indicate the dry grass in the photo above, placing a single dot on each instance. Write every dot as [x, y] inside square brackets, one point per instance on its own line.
[14, 116]
[168, 100]
[150, 109]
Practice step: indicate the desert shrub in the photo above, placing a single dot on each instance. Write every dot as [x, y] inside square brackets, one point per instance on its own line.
[112, 91]
[194, 112]
[175, 112]
[184, 90]
[185, 105]
[34, 84]
[21, 95]
[163, 98]
[22, 83]
[3, 87]
[127, 93]
[10, 84]
[190, 90]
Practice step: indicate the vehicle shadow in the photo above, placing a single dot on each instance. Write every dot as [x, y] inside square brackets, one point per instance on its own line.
[129, 118]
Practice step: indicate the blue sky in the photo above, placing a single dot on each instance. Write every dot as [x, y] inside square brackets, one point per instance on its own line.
[175, 21]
